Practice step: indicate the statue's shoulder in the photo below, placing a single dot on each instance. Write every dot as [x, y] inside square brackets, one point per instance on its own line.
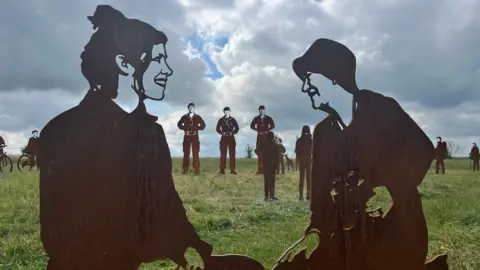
[90, 111]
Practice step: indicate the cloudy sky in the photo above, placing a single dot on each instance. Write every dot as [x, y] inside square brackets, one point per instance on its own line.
[238, 53]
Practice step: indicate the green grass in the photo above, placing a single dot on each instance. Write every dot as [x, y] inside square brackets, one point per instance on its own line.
[229, 212]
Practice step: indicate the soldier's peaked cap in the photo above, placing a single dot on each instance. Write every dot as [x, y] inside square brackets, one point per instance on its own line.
[261, 107]
[226, 109]
[35, 131]
[191, 104]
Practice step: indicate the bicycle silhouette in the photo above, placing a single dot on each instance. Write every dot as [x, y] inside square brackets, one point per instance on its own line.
[26, 159]
[6, 164]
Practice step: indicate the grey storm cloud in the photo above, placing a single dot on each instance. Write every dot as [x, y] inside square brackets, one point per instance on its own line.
[23, 109]
[423, 52]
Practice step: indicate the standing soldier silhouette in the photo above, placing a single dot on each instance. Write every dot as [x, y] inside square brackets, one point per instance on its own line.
[227, 126]
[281, 153]
[191, 123]
[262, 124]
[303, 150]
[474, 156]
[440, 151]
[269, 148]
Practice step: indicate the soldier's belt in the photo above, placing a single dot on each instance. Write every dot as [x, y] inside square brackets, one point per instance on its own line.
[227, 133]
[191, 133]
[262, 133]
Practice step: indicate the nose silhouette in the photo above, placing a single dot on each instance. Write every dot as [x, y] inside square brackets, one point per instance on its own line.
[165, 68]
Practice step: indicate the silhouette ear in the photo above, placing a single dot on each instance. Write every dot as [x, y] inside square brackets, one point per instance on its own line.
[122, 64]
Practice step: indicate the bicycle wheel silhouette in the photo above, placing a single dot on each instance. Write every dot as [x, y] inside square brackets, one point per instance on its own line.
[6, 164]
[24, 160]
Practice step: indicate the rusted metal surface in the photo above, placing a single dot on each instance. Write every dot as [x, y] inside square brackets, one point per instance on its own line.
[191, 123]
[107, 197]
[440, 152]
[227, 127]
[303, 149]
[261, 124]
[382, 146]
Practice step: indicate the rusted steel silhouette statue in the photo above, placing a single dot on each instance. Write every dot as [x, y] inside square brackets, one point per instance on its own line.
[113, 204]
[270, 152]
[382, 146]
[227, 127]
[281, 153]
[191, 123]
[303, 148]
[262, 124]
[475, 157]
[440, 152]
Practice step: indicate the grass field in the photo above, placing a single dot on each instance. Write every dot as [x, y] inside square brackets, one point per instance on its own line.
[229, 212]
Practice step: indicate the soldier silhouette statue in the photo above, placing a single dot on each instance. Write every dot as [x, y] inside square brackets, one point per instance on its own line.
[262, 124]
[227, 127]
[191, 123]
[382, 146]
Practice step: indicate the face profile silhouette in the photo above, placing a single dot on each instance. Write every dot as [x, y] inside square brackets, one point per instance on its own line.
[120, 43]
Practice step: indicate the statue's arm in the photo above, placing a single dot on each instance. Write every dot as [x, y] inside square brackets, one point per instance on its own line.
[181, 123]
[201, 123]
[272, 123]
[236, 128]
[219, 125]
[253, 125]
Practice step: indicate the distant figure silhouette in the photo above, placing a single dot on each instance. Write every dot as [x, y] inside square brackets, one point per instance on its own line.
[303, 149]
[191, 123]
[262, 124]
[281, 153]
[269, 149]
[475, 156]
[227, 126]
[440, 151]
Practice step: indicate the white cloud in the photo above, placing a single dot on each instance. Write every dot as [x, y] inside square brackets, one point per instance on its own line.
[426, 60]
